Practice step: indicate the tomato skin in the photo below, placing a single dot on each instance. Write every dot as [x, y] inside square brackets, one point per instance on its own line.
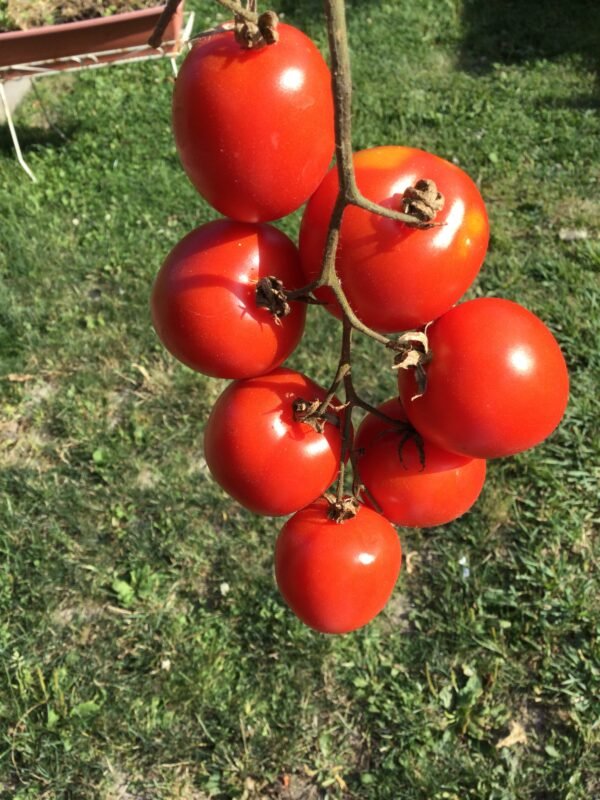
[255, 450]
[203, 300]
[396, 277]
[336, 577]
[497, 383]
[407, 492]
[254, 128]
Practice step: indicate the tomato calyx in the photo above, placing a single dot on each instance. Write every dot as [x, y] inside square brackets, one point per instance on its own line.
[314, 414]
[410, 434]
[406, 433]
[341, 509]
[412, 352]
[267, 25]
[423, 201]
[271, 294]
[252, 31]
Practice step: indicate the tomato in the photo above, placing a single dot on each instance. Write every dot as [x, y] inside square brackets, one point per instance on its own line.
[260, 455]
[203, 301]
[410, 491]
[396, 277]
[254, 128]
[497, 383]
[336, 577]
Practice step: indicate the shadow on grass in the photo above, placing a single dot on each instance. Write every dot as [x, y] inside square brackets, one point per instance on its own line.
[35, 137]
[516, 31]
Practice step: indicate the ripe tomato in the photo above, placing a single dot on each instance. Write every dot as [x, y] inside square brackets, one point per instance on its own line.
[203, 301]
[255, 450]
[396, 277]
[497, 383]
[407, 491]
[254, 128]
[336, 577]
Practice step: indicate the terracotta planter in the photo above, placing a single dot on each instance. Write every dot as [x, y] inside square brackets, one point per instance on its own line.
[88, 42]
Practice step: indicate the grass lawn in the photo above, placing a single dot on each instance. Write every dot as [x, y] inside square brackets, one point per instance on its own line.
[144, 650]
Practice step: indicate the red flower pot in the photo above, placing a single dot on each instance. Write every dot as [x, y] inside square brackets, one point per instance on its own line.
[101, 40]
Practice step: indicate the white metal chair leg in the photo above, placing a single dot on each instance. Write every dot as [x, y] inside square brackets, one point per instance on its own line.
[184, 41]
[13, 134]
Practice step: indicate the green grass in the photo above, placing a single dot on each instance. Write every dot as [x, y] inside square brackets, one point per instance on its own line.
[144, 650]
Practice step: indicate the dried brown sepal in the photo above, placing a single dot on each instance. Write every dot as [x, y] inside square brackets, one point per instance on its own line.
[267, 25]
[407, 357]
[415, 339]
[411, 435]
[341, 510]
[247, 34]
[421, 381]
[310, 412]
[339, 407]
[422, 201]
[394, 426]
[251, 35]
[412, 352]
[270, 294]
[415, 360]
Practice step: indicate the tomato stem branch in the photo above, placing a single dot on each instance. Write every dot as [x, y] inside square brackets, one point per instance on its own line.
[346, 369]
[249, 14]
[342, 370]
[348, 194]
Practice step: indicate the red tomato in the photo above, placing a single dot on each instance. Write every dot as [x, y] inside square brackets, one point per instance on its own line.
[497, 383]
[203, 301]
[408, 492]
[254, 128]
[336, 577]
[397, 277]
[256, 451]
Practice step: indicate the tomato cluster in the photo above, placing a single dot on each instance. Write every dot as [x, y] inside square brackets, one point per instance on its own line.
[254, 130]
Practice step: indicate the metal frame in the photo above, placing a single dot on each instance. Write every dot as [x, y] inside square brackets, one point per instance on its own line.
[39, 69]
